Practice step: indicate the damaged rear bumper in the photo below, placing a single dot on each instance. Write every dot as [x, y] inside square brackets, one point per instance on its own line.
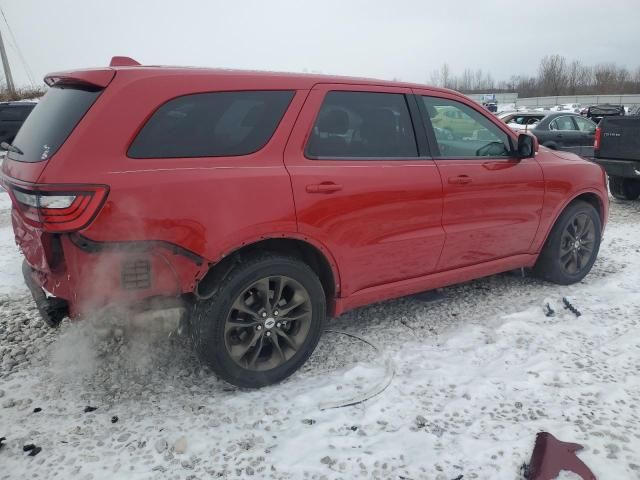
[90, 276]
[52, 309]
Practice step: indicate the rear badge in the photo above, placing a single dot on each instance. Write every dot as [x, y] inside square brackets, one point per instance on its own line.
[45, 152]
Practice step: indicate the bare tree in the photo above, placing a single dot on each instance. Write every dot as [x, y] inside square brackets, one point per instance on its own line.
[466, 82]
[573, 77]
[605, 78]
[552, 74]
[555, 77]
[445, 76]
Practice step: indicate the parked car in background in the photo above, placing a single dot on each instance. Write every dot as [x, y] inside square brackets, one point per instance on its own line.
[617, 149]
[598, 112]
[569, 107]
[522, 121]
[12, 116]
[566, 131]
[258, 204]
[634, 110]
[491, 106]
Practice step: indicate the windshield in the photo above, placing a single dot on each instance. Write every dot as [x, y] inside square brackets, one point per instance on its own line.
[51, 122]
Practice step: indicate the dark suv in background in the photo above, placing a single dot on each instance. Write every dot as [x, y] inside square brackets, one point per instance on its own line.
[12, 116]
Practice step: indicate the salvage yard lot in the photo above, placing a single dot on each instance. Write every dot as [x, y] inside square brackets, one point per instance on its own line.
[476, 376]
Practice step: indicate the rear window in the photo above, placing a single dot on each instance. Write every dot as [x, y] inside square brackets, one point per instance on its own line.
[51, 121]
[212, 125]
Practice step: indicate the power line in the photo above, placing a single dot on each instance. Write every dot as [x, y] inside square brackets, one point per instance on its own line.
[15, 44]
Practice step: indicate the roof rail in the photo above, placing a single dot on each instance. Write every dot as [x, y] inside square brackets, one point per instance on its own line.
[123, 62]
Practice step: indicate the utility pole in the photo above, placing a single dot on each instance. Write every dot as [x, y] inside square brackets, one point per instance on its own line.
[7, 67]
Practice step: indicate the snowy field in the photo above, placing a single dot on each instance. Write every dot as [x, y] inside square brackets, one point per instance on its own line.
[476, 376]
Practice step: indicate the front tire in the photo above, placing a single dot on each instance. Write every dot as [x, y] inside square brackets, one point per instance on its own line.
[624, 188]
[572, 246]
[263, 321]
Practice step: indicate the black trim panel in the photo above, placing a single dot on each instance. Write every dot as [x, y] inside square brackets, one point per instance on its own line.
[92, 246]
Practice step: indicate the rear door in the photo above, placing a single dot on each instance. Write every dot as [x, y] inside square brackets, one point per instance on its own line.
[364, 184]
[587, 131]
[565, 134]
[492, 201]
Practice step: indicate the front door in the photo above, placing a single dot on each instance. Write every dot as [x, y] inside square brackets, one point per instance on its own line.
[364, 185]
[492, 201]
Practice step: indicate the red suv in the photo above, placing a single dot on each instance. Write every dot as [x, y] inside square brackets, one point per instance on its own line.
[261, 203]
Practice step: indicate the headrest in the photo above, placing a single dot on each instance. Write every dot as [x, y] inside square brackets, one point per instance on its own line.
[431, 110]
[253, 116]
[334, 121]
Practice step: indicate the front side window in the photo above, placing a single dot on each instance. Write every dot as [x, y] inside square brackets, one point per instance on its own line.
[212, 125]
[461, 131]
[562, 123]
[585, 125]
[363, 125]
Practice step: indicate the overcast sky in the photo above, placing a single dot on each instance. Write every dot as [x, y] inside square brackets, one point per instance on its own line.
[405, 39]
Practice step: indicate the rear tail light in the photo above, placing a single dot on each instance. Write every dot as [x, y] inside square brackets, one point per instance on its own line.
[596, 141]
[56, 208]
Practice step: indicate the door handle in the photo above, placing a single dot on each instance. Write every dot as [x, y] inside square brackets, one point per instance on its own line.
[460, 180]
[327, 187]
[559, 135]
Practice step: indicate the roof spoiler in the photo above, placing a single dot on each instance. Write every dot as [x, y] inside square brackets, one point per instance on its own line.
[95, 77]
[99, 77]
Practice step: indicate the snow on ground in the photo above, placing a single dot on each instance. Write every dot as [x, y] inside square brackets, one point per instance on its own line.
[477, 375]
[10, 263]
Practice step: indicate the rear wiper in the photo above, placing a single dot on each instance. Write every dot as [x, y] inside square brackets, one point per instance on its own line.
[11, 148]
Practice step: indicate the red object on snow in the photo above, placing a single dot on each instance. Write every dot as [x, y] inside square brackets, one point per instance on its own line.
[550, 456]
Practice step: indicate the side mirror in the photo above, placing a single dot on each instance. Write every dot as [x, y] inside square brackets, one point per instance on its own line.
[527, 146]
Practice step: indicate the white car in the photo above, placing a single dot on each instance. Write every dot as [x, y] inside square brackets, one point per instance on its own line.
[569, 107]
[522, 121]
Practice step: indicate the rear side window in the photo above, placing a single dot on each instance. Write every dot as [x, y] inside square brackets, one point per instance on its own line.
[363, 125]
[212, 125]
[562, 123]
[51, 121]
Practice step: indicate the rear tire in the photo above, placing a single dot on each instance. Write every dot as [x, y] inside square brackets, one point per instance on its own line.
[262, 322]
[624, 188]
[572, 246]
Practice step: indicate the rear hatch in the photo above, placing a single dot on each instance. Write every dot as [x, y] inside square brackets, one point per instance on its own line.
[43, 211]
[51, 122]
[619, 138]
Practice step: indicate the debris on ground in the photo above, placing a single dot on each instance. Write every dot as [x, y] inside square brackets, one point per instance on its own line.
[2, 439]
[88, 409]
[551, 456]
[35, 451]
[548, 311]
[28, 447]
[37, 410]
[180, 446]
[376, 389]
[114, 419]
[570, 307]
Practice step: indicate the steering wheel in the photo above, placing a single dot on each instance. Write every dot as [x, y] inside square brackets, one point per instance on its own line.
[492, 149]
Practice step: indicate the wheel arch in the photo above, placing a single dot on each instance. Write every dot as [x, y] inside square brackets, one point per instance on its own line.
[313, 253]
[590, 196]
